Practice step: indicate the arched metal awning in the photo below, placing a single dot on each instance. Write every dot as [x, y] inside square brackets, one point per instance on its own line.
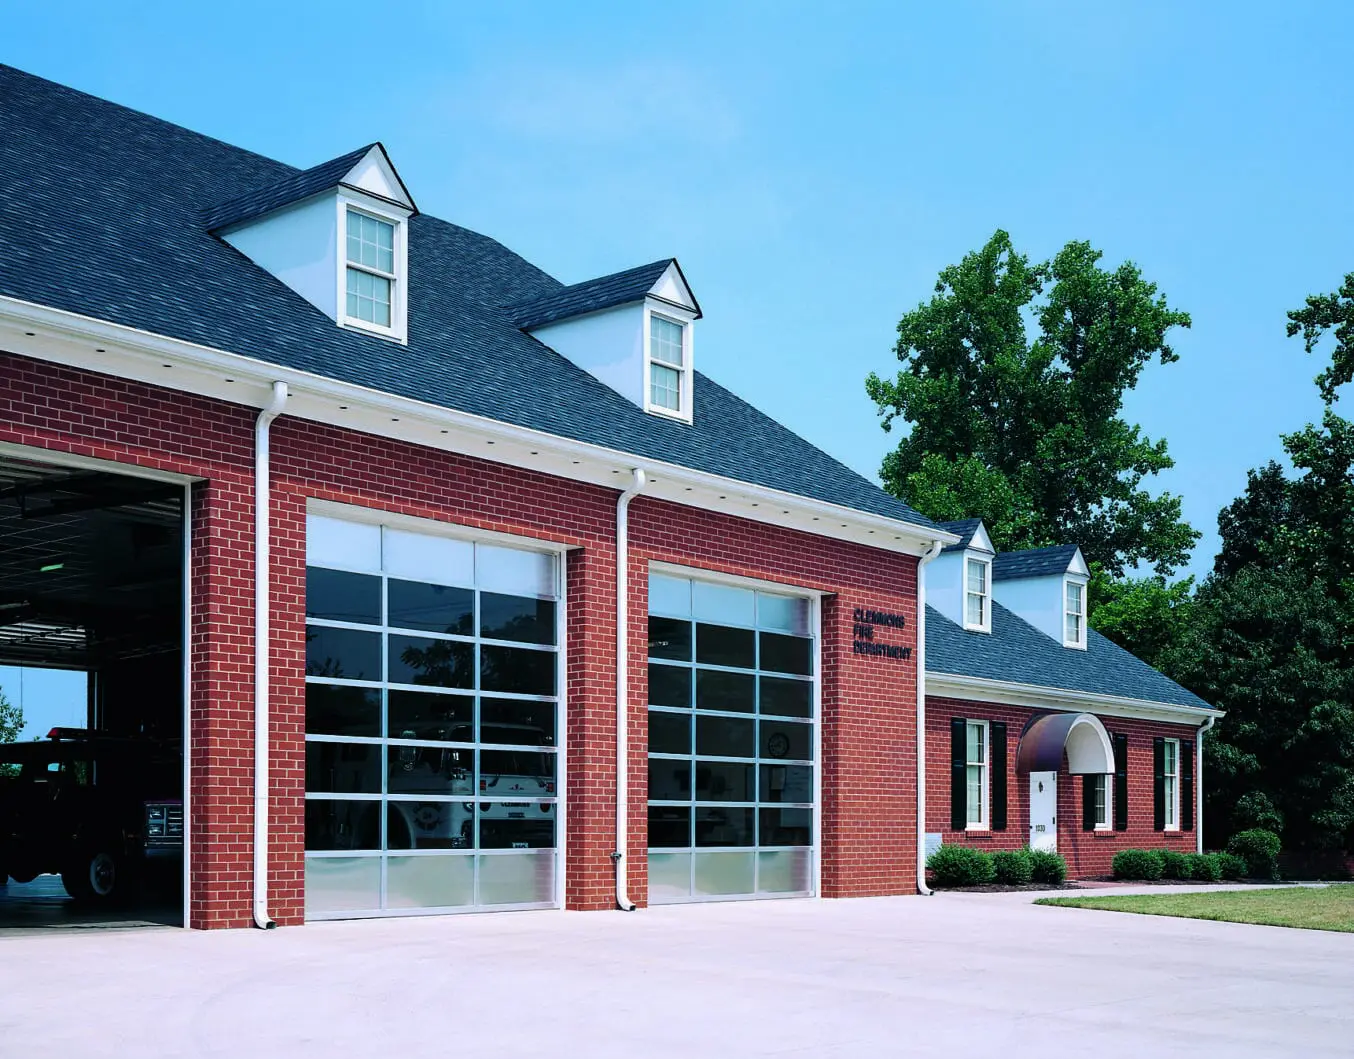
[1081, 735]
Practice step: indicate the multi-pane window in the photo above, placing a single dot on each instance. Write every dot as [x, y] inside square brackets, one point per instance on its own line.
[976, 774]
[371, 268]
[977, 594]
[666, 363]
[431, 722]
[1171, 771]
[1100, 799]
[1074, 633]
[732, 743]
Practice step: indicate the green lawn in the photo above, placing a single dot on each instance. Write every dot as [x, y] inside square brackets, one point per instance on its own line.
[1331, 908]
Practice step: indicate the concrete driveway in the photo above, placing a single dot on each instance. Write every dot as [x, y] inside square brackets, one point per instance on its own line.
[955, 975]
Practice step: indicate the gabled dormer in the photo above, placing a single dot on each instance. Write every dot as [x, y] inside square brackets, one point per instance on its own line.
[1047, 588]
[633, 330]
[336, 234]
[959, 579]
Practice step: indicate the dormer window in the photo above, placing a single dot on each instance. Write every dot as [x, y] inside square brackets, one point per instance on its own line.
[977, 594]
[371, 268]
[1074, 614]
[669, 377]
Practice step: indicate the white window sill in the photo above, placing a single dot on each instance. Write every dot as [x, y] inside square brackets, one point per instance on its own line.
[977, 827]
[1104, 829]
[372, 329]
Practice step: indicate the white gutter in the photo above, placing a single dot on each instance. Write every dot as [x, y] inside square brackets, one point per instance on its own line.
[262, 581]
[99, 345]
[926, 557]
[618, 855]
[1199, 785]
[1018, 694]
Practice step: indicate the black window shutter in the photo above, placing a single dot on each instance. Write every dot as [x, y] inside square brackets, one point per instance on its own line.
[1121, 783]
[958, 774]
[1088, 802]
[1187, 786]
[997, 756]
[1159, 784]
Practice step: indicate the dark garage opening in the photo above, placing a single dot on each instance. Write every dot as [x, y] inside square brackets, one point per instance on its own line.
[92, 580]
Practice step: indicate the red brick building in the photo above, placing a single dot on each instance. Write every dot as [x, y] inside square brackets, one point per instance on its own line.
[416, 556]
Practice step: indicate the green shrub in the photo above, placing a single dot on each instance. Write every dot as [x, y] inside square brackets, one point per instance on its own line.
[1206, 867]
[1259, 849]
[1175, 865]
[1233, 867]
[1138, 864]
[960, 866]
[1013, 866]
[1047, 867]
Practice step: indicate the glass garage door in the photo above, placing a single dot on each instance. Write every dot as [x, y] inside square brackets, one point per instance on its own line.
[432, 676]
[732, 742]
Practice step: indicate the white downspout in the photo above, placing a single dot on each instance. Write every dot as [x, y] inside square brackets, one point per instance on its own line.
[1199, 785]
[927, 556]
[618, 855]
[262, 580]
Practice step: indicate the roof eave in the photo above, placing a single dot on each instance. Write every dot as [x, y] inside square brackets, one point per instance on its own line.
[986, 689]
[70, 338]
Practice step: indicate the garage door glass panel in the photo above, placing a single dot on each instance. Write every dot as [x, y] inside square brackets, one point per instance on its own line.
[430, 770]
[342, 654]
[343, 768]
[343, 825]
[445, 718]
[431, 608]
[732, 788]
[335, 543]
[342, 884]
[519, 671]
[432, 663]
[520, 618]
[430, 882]
[410, 770]
[340, 596]
[518, 722]
[338, 709]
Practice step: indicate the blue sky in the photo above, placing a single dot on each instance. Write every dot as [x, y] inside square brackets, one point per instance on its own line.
[813, 170]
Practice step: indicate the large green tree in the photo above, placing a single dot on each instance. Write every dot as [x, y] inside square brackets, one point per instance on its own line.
[1012, 384]
[11, 720]
[1271, 637]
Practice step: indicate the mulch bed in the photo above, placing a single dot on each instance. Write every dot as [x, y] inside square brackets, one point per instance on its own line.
[1003, 888]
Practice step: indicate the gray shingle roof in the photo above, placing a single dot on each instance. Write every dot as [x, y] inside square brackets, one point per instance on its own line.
[1017, 652]
[263, 200]
[118, 198]
[1033, 562]
[965, 527]
[592, 295]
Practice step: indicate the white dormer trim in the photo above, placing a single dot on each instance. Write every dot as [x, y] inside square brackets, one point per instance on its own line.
[976, 558]
[397, 216]
[1080, 581]
[376, 176]
[684, 318]
[981, 542]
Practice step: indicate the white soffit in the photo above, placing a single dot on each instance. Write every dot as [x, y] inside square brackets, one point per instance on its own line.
[113, 349]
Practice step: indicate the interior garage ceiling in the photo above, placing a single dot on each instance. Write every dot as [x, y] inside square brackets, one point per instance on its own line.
[90, 566]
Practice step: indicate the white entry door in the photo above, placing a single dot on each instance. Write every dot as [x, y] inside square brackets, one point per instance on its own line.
[1044, 811]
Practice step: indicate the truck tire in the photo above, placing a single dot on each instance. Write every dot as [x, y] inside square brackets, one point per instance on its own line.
[97, 878]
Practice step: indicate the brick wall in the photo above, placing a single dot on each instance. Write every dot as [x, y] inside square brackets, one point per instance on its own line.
[868, 720]
[1088, 853]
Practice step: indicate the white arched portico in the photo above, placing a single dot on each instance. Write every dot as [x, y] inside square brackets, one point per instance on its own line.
[1080, 735]
[1044, 741]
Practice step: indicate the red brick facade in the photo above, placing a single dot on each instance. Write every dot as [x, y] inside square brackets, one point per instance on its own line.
[1088, 853]
[867, 820]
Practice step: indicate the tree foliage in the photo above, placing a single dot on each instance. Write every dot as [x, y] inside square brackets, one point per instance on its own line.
[1329, 314]
[1147, 616]
[11, 720]
[1027, 432]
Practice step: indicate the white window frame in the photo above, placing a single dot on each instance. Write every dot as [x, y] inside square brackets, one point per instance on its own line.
[399, 298]
[1170, 790]
[985, 785]
[1107, 779]
[986, 624]
[1068, 582]
[684, 320]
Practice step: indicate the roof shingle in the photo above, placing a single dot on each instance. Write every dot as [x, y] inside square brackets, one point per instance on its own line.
[119, 198]
[1033, 562]
[590, 296]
